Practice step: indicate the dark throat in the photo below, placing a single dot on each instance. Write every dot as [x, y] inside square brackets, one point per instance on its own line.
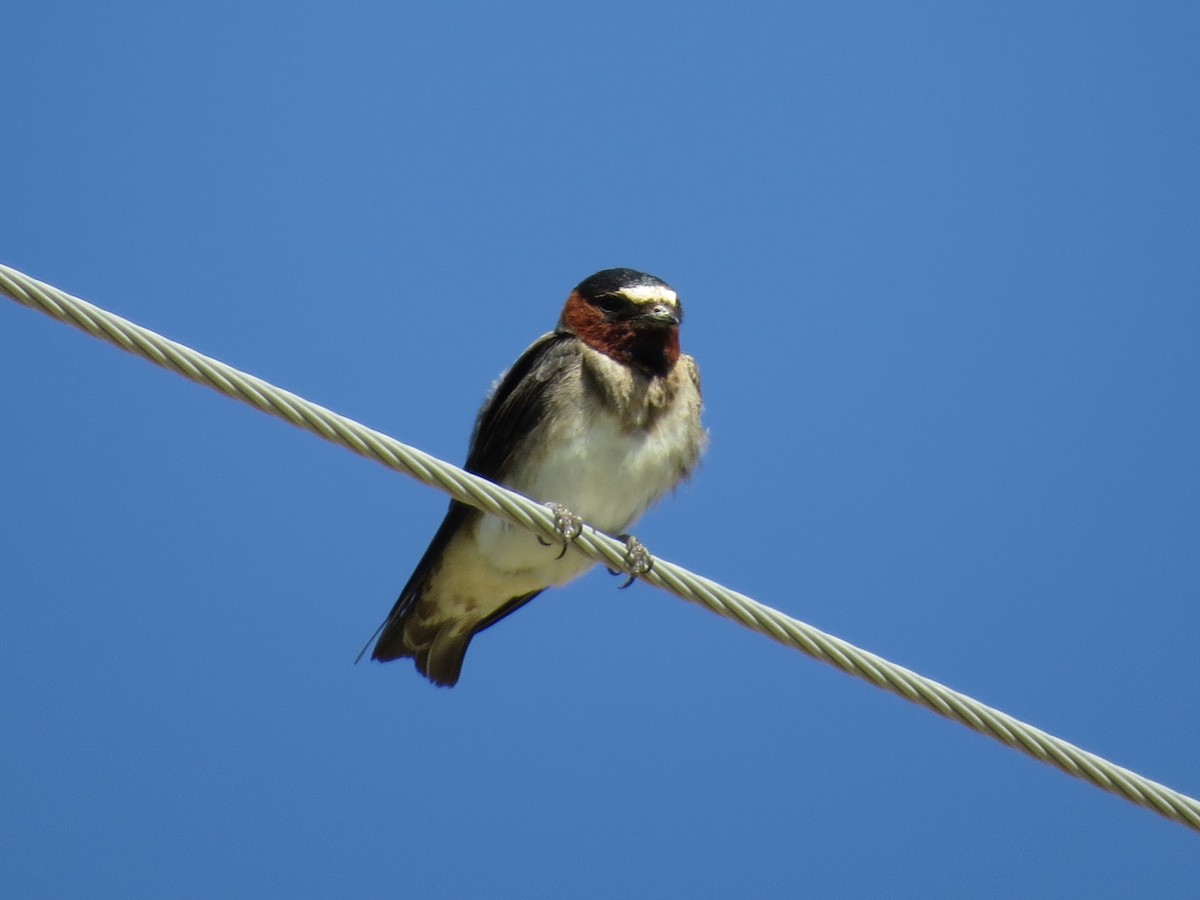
[650, 349]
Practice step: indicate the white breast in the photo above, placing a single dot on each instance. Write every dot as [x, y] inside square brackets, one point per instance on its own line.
[591, 458]
[604, 473]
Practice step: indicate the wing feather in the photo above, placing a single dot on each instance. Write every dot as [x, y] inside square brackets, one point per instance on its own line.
[513, 410]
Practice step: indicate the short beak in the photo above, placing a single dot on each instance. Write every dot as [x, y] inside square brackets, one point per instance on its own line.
[660, 314]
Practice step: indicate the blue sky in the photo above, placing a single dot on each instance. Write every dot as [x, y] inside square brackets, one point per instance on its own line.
[941, 275]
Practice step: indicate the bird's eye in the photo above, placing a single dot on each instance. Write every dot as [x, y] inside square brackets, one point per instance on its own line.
[609, 303]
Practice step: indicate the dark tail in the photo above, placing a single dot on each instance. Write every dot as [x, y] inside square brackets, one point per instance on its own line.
[417, 629]
[405, 634]
[438, 650]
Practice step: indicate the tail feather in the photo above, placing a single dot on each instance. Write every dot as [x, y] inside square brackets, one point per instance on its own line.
[389, 644]
[441, 661]
[437, 646]
[437, 649]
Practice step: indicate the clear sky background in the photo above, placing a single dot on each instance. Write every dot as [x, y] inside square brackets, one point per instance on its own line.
[941, 264]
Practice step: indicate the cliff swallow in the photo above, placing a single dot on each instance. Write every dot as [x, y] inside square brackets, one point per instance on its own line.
[602, 416]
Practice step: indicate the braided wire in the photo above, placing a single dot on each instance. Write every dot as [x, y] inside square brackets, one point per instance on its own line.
[516, 508]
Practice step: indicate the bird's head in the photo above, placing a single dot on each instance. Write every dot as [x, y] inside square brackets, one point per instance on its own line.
[629, 316]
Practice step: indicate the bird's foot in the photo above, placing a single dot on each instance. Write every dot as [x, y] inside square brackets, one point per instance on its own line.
[637, 559]
[567, 525]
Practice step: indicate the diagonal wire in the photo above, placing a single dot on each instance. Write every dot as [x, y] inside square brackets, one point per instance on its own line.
[537, 518]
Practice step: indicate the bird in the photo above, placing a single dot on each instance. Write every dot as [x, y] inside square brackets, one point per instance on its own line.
[598, 419]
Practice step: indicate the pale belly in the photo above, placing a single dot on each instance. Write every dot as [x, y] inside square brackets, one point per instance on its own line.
[605, 476]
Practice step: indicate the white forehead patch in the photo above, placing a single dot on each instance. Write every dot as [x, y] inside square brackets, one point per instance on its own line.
[651, 293]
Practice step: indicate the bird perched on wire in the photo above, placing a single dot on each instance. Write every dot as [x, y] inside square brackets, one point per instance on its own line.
[599, 418]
